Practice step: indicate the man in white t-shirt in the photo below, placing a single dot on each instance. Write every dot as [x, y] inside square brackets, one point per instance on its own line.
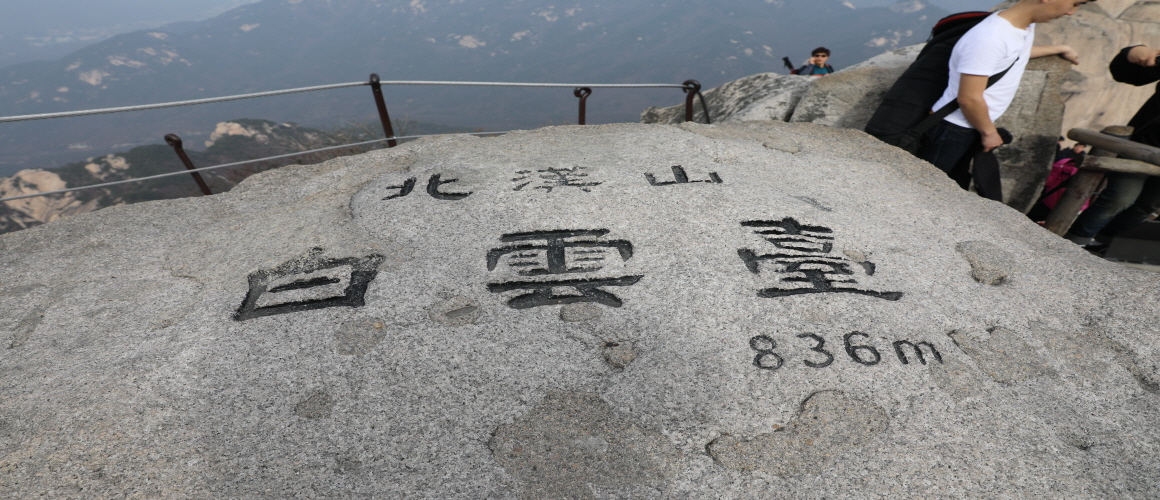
[1001, 41]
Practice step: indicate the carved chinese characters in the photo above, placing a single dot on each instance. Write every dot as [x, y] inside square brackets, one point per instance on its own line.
[309, 283]
[557, 255]
[545, 180]
[680, 177]
[433, 188]
[547, 266]
[804, 261]
[552, 178]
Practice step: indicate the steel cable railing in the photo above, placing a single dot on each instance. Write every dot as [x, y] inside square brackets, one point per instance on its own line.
[690, 87]
[211, 100]
[144, 107]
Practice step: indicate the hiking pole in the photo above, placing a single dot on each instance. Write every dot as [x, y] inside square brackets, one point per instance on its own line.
[788, 65]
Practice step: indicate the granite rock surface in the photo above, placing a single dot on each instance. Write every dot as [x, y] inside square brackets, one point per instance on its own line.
[849, 97]
[755, 310]
[760, 97]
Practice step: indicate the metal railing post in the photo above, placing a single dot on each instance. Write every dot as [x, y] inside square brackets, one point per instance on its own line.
[691, 89]
[384, 117]
[175, 141]
[582, 93]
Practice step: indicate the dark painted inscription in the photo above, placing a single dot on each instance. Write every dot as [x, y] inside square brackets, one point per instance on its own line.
[547, 254]
[552, 178]
[304, 284]
[433, 188]
[856, 345]
[805, 261]
[437, 181]
[681, 177]
[542, 295]
[917, 351]
[819, 348]
[304, 291]
[765, 359]
[863, 354]
[404, 189]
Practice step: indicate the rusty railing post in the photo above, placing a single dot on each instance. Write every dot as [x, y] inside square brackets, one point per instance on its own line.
[691, 89]
[582, 93]
[1081, 187]
[384, 117]
[174, 141]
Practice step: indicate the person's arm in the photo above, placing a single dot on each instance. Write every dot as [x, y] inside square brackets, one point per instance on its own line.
[974, 108]
[1136, 65]
[1063, 51]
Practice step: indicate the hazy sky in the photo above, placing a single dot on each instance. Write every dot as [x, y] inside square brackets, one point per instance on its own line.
[951, 5]
[45, 30]
[30, 16]
[33, 16]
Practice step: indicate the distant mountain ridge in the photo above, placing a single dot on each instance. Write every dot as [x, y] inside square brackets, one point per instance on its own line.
[50, 29]
[277, 44]
[231, 141]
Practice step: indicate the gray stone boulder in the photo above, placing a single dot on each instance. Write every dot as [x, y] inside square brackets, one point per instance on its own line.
[848, 98]
[760, 97]
[845, 99]
[1144, 12]
[755, 310]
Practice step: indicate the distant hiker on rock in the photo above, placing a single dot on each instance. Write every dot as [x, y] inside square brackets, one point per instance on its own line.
[817, 65]
[1129, 199]
[1000, 44]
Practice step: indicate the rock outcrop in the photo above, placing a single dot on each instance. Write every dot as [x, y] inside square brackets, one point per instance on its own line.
[761, 97]
[845, 99]
[848, 98]
[1054, 97]
[231, 141]
[751, 310]
[28, 212]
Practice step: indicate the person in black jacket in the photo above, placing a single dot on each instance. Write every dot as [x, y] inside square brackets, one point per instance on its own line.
[1129, 199]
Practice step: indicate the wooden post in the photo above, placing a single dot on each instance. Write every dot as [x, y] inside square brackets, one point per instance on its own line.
[1121, 165]
[1116, 139]
[1083, 184]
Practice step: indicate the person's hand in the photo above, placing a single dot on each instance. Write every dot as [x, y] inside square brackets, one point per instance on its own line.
[1069, 53]
[991, 140]
[1143, 56]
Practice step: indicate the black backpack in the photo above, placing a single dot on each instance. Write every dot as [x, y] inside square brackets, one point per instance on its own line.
[904, 115]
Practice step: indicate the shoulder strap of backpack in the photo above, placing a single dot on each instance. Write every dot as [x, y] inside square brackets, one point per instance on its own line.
[950, 107]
